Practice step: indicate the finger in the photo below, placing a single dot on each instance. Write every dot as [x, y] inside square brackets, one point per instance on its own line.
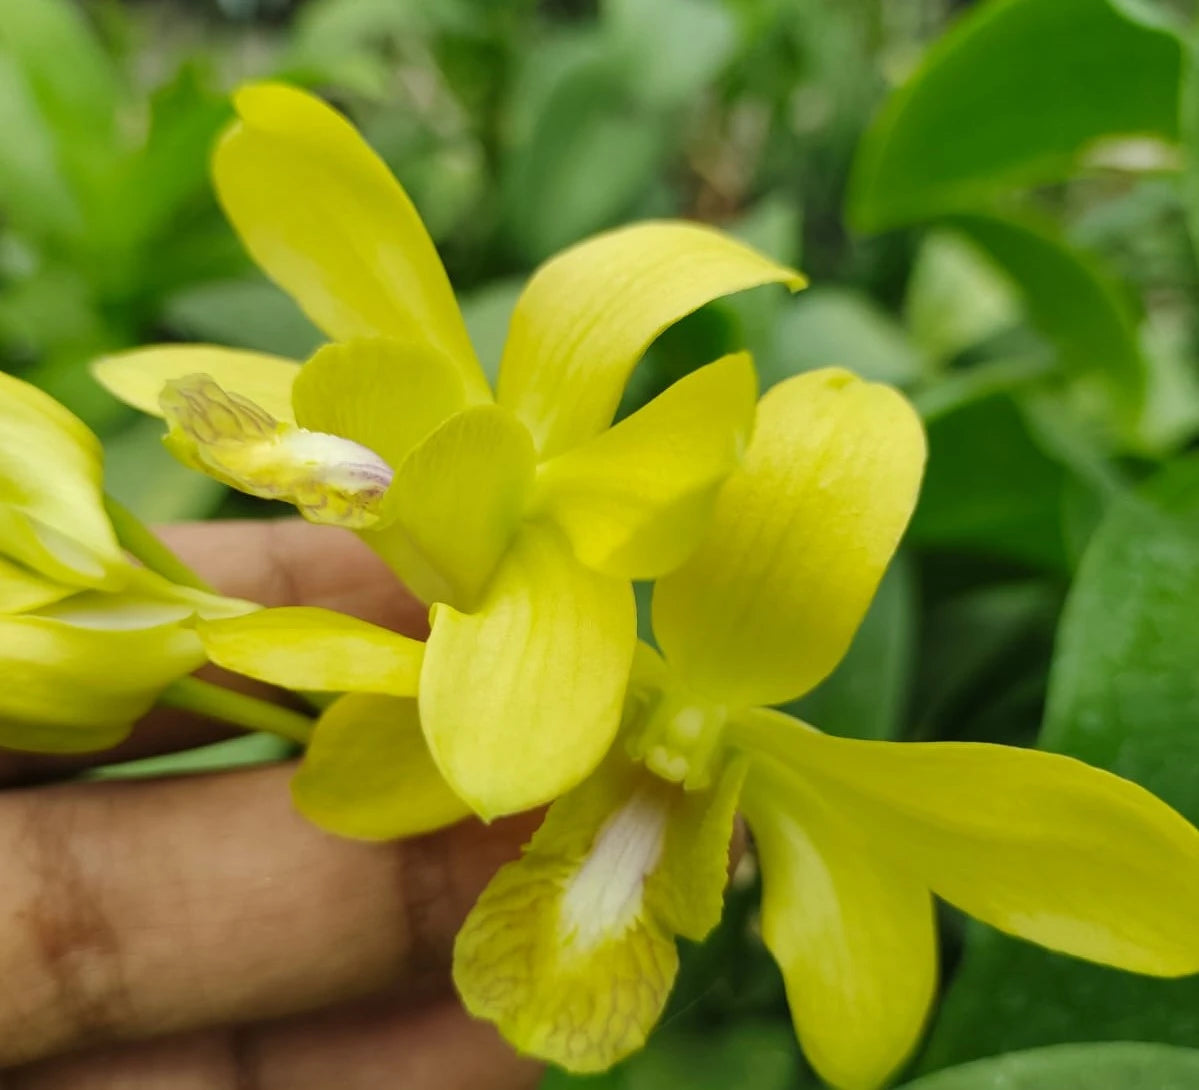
[436, 1048]
[284, 562]
[142, 908]
[275, 563]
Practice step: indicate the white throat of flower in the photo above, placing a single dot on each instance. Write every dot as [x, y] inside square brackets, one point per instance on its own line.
[604, 896]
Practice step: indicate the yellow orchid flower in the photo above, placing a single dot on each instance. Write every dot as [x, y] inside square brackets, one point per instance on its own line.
[571, 949]
[88, 639]
[520, 516]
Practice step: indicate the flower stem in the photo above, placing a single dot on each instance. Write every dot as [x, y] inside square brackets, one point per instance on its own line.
[139, 542]
[217, 702]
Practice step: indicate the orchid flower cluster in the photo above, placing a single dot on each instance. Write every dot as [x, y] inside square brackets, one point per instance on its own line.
[521, 516]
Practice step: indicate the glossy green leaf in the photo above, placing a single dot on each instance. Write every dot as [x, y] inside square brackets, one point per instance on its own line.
[1124, 695]
[1012, 96]
[1122, 1066]
[990, 489]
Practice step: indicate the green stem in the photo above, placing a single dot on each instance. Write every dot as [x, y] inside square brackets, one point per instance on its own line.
[216, 702]
[137, 540]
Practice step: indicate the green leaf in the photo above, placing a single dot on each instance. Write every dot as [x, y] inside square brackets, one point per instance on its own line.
[774, 225]
[344, 41]
[143, 476]
[1173, 15]
[1189, 121]
[866, 696]
[979, 647]
[761, 1055]
[1071, 300]
[591, 153]
[990, 489]
[1125, 692]
[1123, 1066]
[968, 385]
[245, 314]
[72, 77]
[1124, 695]
[831, 325]
[487, 312]
[956, 297]
[169, 172]
[676, 47]
[78, 93]
[33, 192]
[1012, 96]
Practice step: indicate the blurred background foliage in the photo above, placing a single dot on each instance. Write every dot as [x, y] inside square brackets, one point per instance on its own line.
[997, 204]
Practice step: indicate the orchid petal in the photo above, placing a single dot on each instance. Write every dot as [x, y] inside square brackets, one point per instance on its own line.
[521, 698]
[139, 377]
[52, 517]
[23, 590]
[302, 647]
[852, 932]
[1036, 844]
[322, 215]
[801, 535]
[77, 681]
[368, 773]
[384, 395]
[588, 315]
[635, 500]
[455, 504]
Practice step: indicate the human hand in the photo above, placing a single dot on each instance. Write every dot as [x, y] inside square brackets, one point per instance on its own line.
[198, 934]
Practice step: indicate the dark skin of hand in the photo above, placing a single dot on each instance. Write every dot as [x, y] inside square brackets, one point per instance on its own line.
[197, 934]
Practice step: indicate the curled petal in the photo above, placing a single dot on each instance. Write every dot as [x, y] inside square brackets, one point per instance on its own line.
[799, 539]
[635, 500]
[589, 314]
[1038, 845]
[368, 773]
[322, 215]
